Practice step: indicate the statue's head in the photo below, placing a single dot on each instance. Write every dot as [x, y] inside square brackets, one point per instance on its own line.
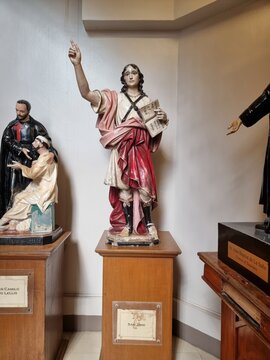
[124, 72]
[26, 103]
[23, 108]
[43, 140]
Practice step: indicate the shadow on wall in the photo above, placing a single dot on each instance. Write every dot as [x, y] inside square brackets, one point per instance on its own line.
[176, 284]
[64, 216]
[64, 206]
[160, 167]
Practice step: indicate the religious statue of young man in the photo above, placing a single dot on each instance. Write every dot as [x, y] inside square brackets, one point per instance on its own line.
[130, 174]
[257, 110]
[16, 145]
[42, 190]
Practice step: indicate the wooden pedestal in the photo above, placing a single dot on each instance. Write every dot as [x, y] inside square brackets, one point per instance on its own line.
[34, 332]
[139, 275]
[245, 312]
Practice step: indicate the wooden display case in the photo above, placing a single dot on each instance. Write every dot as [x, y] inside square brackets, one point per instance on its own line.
[245, 311]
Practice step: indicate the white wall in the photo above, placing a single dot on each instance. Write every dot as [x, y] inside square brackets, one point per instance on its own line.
[203, 77]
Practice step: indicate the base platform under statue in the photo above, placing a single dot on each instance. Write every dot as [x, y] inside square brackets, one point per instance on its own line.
[29, 238]
[116, 239]
[137, 299]
[246, 250]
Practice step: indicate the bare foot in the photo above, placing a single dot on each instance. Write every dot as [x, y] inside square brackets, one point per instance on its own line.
[12, 225]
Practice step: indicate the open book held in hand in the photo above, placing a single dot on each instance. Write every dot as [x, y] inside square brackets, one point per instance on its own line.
[149, 116]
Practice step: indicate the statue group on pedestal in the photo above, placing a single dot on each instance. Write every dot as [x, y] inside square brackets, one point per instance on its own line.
[28, 170]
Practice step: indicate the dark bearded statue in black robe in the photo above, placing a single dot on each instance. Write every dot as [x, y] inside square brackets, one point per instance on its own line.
[257, 110]
[17, 145]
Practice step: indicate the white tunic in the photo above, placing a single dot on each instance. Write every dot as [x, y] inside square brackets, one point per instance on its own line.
[42, 191]
[113, 175]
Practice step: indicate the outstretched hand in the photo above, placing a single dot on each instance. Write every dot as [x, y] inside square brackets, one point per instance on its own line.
[74, 53]
[26, 152]
[15, 165]
[234, 126]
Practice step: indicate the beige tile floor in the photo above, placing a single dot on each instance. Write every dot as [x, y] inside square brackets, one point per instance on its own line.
[85, 345]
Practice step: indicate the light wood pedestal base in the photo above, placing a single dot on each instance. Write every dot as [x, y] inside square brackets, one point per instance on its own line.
[33, 332]
[139, 276]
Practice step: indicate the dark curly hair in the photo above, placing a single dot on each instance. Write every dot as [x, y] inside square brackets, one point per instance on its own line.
[141, 79]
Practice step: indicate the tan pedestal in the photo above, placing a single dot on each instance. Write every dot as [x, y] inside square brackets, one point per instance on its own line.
[33, 332]
[137, 278]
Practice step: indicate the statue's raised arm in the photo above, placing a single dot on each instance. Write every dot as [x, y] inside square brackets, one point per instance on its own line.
[75, 57]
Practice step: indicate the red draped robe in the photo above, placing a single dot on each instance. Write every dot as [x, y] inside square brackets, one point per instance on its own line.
[134, 146]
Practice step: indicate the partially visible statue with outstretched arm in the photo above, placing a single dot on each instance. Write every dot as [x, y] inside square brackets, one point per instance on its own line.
[130, 175]
[16, 145]
[257, 110]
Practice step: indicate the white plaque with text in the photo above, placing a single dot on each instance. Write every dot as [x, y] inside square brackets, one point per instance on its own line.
[136, 324]
[13, 291]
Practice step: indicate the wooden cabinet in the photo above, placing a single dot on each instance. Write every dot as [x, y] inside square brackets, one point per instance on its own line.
[245, 312]
[142, 277]
[33, 332]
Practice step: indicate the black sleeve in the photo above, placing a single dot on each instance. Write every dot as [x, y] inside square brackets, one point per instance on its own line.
[9, 141]
[258, 109]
